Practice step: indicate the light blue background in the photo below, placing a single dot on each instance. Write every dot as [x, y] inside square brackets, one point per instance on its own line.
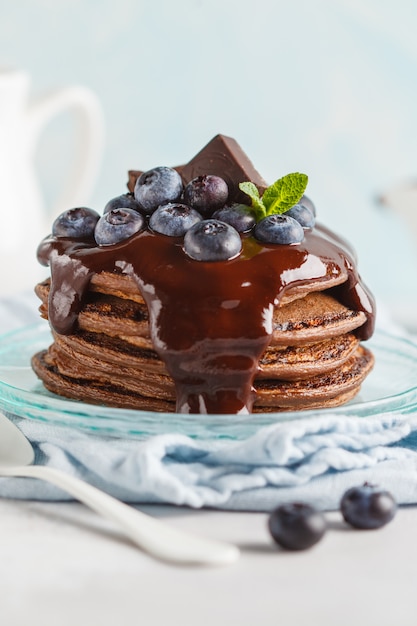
[328, 87]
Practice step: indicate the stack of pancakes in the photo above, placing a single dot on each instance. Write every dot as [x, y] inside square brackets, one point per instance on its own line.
[314, 358]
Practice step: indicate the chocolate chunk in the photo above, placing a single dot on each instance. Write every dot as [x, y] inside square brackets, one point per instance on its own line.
[133, 176]
[223, 157]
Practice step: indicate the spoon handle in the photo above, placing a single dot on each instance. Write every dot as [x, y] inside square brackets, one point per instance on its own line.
[153, 536]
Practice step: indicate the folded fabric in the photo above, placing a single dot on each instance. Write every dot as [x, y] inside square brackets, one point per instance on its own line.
[314, 460]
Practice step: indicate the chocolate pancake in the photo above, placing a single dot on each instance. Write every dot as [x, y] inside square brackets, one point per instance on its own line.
[314, 358]
[138, 324]
[317, 316]
[156, 392]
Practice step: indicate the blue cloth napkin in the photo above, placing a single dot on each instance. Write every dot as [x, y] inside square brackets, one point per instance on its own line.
[313, 459]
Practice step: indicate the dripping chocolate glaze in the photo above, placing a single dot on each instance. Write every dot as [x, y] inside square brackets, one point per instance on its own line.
[209, 322]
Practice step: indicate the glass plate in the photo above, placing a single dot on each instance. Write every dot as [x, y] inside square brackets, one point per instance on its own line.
[390, 387]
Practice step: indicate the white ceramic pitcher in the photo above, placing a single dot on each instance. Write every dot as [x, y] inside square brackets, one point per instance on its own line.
[24, 219]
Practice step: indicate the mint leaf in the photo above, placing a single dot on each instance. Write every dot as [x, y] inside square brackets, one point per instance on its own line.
[252, 191]
[284, 193]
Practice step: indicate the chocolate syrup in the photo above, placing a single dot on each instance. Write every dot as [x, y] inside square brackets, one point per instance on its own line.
[209, 322]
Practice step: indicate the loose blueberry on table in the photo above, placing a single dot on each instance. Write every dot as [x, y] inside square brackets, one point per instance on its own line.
[296, 526]
[368, 507]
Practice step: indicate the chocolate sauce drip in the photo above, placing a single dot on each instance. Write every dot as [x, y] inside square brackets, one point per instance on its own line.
[209, 322]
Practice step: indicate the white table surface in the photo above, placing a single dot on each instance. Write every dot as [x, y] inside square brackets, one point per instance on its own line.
[63, 565]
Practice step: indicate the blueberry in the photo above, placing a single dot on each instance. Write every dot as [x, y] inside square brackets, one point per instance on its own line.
[303, 215]
[206, 193]
[79, 223]
[125, 201]
[212, 240]
[305, 201]
[368, 507]
[174, 219]
[296, 526]
[117, 225]
[239, 216]
[280, 229]
[158, 186]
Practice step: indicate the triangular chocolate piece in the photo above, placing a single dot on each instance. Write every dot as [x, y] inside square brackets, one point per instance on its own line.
[223, 157]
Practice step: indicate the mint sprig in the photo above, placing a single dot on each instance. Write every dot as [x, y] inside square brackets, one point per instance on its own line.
[278, 197]
[257, 204]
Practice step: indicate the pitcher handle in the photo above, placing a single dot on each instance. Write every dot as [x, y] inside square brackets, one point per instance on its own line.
[89, 139]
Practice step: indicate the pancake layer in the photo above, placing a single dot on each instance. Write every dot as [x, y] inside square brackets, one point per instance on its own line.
[314, 358]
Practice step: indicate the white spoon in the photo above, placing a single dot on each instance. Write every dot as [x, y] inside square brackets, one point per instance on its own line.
[150, 534]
